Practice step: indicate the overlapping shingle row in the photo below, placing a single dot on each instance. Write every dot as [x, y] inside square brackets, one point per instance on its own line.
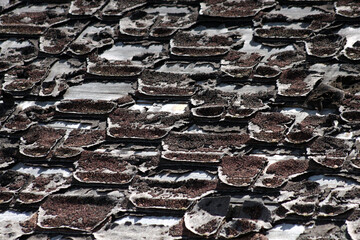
[187, 119]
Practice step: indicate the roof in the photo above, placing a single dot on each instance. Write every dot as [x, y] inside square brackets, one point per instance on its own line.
[186, 119]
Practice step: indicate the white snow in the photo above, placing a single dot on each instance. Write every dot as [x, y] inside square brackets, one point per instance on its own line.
[175, 108]
[295, 12]
[149, 220]
[352, 35]
[98, 91]
[189, 68]
[126, 52]
[199, 175]
[36, 171]
[331, 182]
[285, 231]
[14, 216]
[167, 10]
[68, 125]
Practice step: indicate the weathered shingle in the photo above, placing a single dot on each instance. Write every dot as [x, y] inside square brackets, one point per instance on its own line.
[186, 119]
